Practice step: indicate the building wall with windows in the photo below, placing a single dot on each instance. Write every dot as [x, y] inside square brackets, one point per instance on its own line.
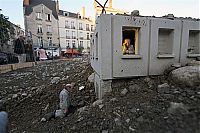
[157, 43]
[75, 31]
[41, 20]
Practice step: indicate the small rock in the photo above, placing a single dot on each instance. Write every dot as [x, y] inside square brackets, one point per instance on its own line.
[81, 88]
[33, 88]
[67, 69]
[104, 131]
[43, 120]
[128, 120]
[101, 106]
[98, 102]
[117, 122]
[73, 128]
[83, 109]
[87, 97]
[147, 79]
[113, 99]
[124, 92]
[24, 94]
[133, 110]
[130, 128]
[81, 103]
[14, 96]
[177, 108]
[80, 119]
[55, 80]
[91, 78]
[163, 88]
[140, 119]
[134, 88]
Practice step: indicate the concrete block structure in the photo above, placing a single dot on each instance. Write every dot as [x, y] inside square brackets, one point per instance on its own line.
[157, 44]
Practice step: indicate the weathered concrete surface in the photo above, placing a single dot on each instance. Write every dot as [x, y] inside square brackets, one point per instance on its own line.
[189, 75]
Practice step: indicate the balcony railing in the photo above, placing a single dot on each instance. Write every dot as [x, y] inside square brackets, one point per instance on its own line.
[68, 37]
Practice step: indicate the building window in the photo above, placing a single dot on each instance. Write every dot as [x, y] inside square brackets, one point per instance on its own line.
[130, 40]
[73, 44]
[66, 24]
[40, 42]
[96, 42]
[88, 44]
[67, 34]
[81, 44]
[48, 17]
[49, 28]
[39, 15]
[67, 44]
[165, 41]
[72, 25]
[80, 26]
[39, 28]
[49, 40]
[194, 42]
[88, 36]
[87, 27]
[81, 35]
[73, 35]
[92, 27]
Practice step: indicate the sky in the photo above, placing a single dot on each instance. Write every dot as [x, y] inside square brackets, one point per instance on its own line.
[180, 8]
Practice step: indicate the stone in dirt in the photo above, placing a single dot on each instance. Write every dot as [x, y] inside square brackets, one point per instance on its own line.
[98, 102]
[163, 88]
[177, 108]
[124, 92]
[188, 76]
[91, 78]
[55, 80]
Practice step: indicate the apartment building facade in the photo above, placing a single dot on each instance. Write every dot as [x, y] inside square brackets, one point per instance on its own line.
[41, 19]
[75, 31]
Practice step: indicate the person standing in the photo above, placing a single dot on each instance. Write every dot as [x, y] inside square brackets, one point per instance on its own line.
[19, 49]
[42, 54]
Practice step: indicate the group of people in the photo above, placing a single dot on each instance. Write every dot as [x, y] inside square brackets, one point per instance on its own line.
[25, 51]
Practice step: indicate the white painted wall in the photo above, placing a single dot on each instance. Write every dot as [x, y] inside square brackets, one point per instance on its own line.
[78, 33]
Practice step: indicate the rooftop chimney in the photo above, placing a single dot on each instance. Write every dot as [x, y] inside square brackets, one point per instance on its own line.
[82, 13]
[110, 3]
[26, 2]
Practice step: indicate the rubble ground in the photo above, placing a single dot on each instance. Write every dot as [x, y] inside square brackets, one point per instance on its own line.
[144, 104]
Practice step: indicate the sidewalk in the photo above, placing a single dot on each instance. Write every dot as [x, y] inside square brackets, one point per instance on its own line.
[11, 67]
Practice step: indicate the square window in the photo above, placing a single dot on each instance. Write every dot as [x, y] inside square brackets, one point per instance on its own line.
[130, 40]
[194, 42]
[165, 41]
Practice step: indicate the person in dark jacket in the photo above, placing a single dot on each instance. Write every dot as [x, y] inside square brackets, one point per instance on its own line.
[19, 48]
